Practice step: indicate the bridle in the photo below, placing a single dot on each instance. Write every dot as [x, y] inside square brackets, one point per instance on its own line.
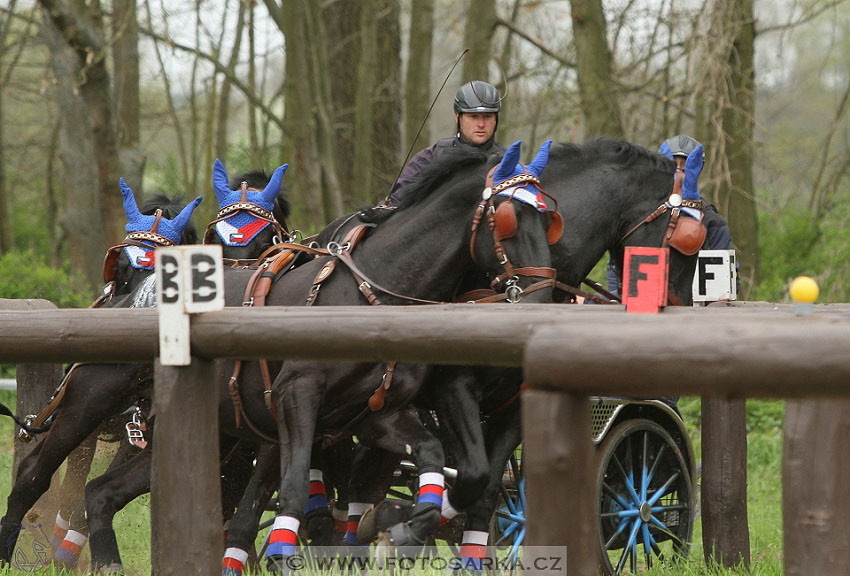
[142, 239]
[280, 233]
[502, 222]
[685, 235]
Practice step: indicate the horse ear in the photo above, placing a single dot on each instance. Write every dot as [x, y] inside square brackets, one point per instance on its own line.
[507, 167]
[273, 187]
[665, 149]
[693, 168]
[130, 207]
[220, 182]
[539, 163]
[180, 221]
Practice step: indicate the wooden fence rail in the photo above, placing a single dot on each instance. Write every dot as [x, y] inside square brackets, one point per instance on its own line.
[569, 353]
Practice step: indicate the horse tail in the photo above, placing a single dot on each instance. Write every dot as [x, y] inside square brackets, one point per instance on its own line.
[4, 411]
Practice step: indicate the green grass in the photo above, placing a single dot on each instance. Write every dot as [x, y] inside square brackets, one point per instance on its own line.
[764, 447]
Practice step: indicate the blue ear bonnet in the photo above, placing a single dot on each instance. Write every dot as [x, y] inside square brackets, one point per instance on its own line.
[693, 167]
[262, 198]
[138, 222]
[510, 166]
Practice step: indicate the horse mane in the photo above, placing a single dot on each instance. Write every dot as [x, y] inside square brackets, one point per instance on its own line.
[259, 179]
[606, 149]
[440, 170]
[170, 207]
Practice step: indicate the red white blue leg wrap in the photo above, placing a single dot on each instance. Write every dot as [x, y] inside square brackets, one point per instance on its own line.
[318, 493]
[431, 486]
[283, 537]
[68, 552]
[355, 512]
[234, 562]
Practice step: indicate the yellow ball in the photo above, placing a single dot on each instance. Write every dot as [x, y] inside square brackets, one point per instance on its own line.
[804, 289]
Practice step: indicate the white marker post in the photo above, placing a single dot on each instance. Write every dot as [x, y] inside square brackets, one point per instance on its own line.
[190, 279]
[715, 277]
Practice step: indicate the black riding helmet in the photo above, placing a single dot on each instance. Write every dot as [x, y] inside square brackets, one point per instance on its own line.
[682, 145]
[477, 96]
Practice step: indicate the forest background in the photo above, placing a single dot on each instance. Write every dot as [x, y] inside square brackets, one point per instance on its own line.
[155, 90]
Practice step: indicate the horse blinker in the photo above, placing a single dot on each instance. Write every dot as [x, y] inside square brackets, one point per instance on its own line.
[506, 224]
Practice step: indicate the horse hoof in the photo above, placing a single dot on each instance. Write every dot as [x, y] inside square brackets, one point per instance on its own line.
[114, 568]
[381, 517]
[403, 539]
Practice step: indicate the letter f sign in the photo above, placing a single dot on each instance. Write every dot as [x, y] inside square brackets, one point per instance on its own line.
[645, 272]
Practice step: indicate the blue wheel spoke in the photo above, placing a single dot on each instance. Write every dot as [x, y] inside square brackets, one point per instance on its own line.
[666, 530]
[657, 461]
[628, 481]
[647, 544]
[630, 513]
[619, 498]
[644, 483]
[629, 547]
[663, 489]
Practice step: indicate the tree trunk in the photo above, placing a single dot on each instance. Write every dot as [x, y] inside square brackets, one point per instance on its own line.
[736, 110]
[81, 25]
[226, 87]
[386, 117]
[82, 218]
[364, 108]
[299, 144]
[344, 44]
[593, 69]
[125, 55]
[417, 85]
[6, 240]
[480, 23]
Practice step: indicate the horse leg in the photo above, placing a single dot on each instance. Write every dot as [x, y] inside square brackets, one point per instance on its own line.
[455, 401]
[402, 434]
[242, 530]
[105, 496]
[338, 461]
[371, 476]
[73, 488]
[67, 431]
[68, 553]
[504, 433]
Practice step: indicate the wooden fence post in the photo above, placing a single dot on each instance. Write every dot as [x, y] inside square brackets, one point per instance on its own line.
[723, 495]
[185, 484]
[558, 463]
[35, 384]
[815, 498]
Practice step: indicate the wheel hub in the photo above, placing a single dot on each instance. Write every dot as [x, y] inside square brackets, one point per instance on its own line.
[645, 512]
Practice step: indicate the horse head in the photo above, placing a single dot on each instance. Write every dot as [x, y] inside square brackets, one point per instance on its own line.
[510, 184]
[614, 194]
[252, 212]
[161, 221]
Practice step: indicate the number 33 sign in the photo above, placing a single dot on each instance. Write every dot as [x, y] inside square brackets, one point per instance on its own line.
[189, 280]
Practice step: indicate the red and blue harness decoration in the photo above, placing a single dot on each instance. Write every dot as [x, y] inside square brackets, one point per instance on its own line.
[240, 229]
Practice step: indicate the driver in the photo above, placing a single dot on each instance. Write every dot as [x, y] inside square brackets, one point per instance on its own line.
[477, 105]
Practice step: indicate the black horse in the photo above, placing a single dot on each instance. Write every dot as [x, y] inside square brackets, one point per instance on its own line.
[161, 221]
[604, 189]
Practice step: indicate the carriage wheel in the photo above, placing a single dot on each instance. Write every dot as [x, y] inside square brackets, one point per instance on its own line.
[643, 498]
[507, 527]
